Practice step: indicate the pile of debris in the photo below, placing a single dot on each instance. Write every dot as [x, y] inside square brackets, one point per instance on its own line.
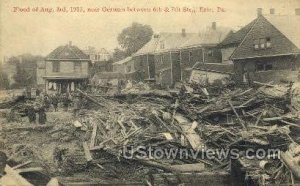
[258, 118]
[175, 137]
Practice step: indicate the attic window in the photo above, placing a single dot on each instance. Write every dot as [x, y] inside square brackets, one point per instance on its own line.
[262, 43]
[268, 42]
[256, 44]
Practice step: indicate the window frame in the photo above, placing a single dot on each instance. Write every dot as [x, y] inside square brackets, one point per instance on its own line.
[75, 63]
[55, 66]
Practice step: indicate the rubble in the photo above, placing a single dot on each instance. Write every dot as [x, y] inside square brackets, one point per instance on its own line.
[259, 117]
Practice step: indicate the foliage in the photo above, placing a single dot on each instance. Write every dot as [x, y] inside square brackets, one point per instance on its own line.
[133, 38]
[4, 81]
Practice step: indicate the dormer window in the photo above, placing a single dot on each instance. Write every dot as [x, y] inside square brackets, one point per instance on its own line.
[262, 43]
[268, 42]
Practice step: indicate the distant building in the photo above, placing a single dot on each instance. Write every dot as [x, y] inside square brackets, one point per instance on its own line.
[170, 57]
[101, 59]
[128, 68]
[10, 69]
[66, 68]
[268, 49]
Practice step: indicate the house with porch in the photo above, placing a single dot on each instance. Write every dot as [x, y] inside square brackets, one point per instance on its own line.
[269, 51]
[66, 68]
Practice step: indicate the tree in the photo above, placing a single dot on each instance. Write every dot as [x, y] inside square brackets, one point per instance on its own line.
[26, 65]
[4, 81]
[118, 54]
[22, 78]
[133, 38]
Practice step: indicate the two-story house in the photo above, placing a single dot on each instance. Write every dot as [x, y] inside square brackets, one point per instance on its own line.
[170, 57]
[269, 51]
[66, 68]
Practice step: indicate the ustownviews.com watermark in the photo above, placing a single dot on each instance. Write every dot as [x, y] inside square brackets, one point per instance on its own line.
[143, 152]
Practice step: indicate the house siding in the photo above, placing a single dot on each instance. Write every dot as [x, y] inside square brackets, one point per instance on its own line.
[281, 64]
[226, 53]
[67, 68]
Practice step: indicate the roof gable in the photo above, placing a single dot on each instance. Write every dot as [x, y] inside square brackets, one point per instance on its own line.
[237, 37]
[287, 25]
[67, 52]
[262, 28]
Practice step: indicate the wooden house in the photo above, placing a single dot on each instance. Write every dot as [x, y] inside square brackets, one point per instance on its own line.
[269, 51]
[66, 68]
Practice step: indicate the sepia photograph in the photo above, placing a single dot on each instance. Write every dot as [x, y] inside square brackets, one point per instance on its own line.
[149, 92]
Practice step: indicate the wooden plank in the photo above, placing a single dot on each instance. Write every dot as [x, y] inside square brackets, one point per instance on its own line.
[21, 165]
[31, 169]
[87, 152]
[93, 137]
[240, 120]
[189, 132]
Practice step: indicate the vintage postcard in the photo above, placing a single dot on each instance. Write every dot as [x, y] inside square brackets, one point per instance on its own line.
[149, 92]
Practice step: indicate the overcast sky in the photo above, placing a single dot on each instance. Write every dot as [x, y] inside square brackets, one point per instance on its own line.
[40, 33]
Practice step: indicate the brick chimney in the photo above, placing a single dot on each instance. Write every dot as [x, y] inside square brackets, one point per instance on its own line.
[70, 43]
[259, 11]
[297, 11]
[214, 25]
[272, 11]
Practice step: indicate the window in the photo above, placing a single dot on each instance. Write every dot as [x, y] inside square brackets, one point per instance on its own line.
[268, 42]
[262, 43]
[256, 44]
[77, 67]
[55, 66]
[210, 53]
[263, 67]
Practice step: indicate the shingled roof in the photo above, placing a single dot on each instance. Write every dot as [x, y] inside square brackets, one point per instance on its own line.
[287, 25]
[67, 52]
[237, 37]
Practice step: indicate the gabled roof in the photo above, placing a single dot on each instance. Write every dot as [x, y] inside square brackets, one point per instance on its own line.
[287, 25]
[173, 41]
[123, 61]
[176, 41]
[207, 37]
[237, 37]
[67, 52]
[148, 47]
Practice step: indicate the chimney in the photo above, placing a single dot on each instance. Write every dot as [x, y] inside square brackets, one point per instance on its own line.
[214, 25]
[259, 11]
[297, 11]
[183, 33]
[272, 11]
[70, 43]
